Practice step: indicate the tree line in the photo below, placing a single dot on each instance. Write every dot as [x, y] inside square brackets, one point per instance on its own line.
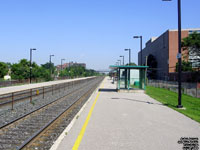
[47, 71]
[77, 71]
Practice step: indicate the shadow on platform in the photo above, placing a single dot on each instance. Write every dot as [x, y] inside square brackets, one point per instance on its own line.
[107, 90]
[140, 101]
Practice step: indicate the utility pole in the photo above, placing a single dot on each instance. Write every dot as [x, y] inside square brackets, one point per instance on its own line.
[50, 65]
[129, 55]
[140, 48]
[62, 63]
[32, 49]
[123, 59]
[179, 54]
[119, 62]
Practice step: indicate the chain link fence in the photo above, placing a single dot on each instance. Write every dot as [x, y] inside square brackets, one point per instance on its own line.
[192, 89]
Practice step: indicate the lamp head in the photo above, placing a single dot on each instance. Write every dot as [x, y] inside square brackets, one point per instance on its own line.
[135, 37]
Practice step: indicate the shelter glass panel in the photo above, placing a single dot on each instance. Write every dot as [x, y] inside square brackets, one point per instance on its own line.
[123, 78]
[134, 79]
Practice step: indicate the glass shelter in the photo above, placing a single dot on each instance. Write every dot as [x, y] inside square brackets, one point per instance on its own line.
[130, 77]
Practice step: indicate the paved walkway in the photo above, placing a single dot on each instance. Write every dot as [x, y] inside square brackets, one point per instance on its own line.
[127, 121]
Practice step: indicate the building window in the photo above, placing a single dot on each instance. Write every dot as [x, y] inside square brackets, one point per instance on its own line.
[195, 60]
[192, 31]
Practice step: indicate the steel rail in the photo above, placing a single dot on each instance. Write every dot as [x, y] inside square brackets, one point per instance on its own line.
[52, 121]
[9, 123]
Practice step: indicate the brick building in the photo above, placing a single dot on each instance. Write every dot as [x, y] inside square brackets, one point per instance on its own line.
[164, 49]
[66, 65]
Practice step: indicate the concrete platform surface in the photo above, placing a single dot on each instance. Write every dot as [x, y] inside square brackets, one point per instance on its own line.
[128, 121]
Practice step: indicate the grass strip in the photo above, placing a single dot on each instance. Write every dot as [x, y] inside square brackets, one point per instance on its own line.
[170, 99]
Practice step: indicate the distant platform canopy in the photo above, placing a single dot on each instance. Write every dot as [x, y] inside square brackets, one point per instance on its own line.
[130, 77]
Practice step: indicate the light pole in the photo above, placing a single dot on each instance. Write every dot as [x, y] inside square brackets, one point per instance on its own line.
[129, 55]
[50, 64]
[119, 62]
[140, 46]
[62, 63]
[32, 49]
[123, 59]
[179, 53]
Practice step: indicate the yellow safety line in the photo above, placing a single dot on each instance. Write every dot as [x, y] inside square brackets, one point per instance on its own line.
[80, 136]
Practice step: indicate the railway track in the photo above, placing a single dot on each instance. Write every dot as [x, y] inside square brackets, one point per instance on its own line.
[18, 118]
[26, 107]
[22, 133]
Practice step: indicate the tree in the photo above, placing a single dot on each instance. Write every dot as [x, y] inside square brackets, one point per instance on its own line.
[3, 69]
[39, 72]
[73, 71]
[48, 65]
[43, 73]
[186, 66]
[131, 64]
[192, 45]
[20, 70]
[77, 71]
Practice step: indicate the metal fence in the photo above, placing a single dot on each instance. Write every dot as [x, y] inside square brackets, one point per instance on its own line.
[18, 82]
[13, 98]
[27, 81]
[192, 89]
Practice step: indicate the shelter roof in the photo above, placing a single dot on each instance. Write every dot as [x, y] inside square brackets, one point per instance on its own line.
[128, 67]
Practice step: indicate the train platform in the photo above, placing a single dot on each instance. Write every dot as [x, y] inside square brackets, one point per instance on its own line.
[126, 121]
[18, 88]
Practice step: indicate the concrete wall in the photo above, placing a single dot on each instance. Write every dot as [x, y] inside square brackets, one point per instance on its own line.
[159, 49]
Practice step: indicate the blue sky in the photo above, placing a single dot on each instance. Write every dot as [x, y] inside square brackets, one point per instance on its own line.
[92, 31]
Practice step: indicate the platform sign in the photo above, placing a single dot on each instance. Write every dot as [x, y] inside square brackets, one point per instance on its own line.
[37, 92]
[178, 55]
